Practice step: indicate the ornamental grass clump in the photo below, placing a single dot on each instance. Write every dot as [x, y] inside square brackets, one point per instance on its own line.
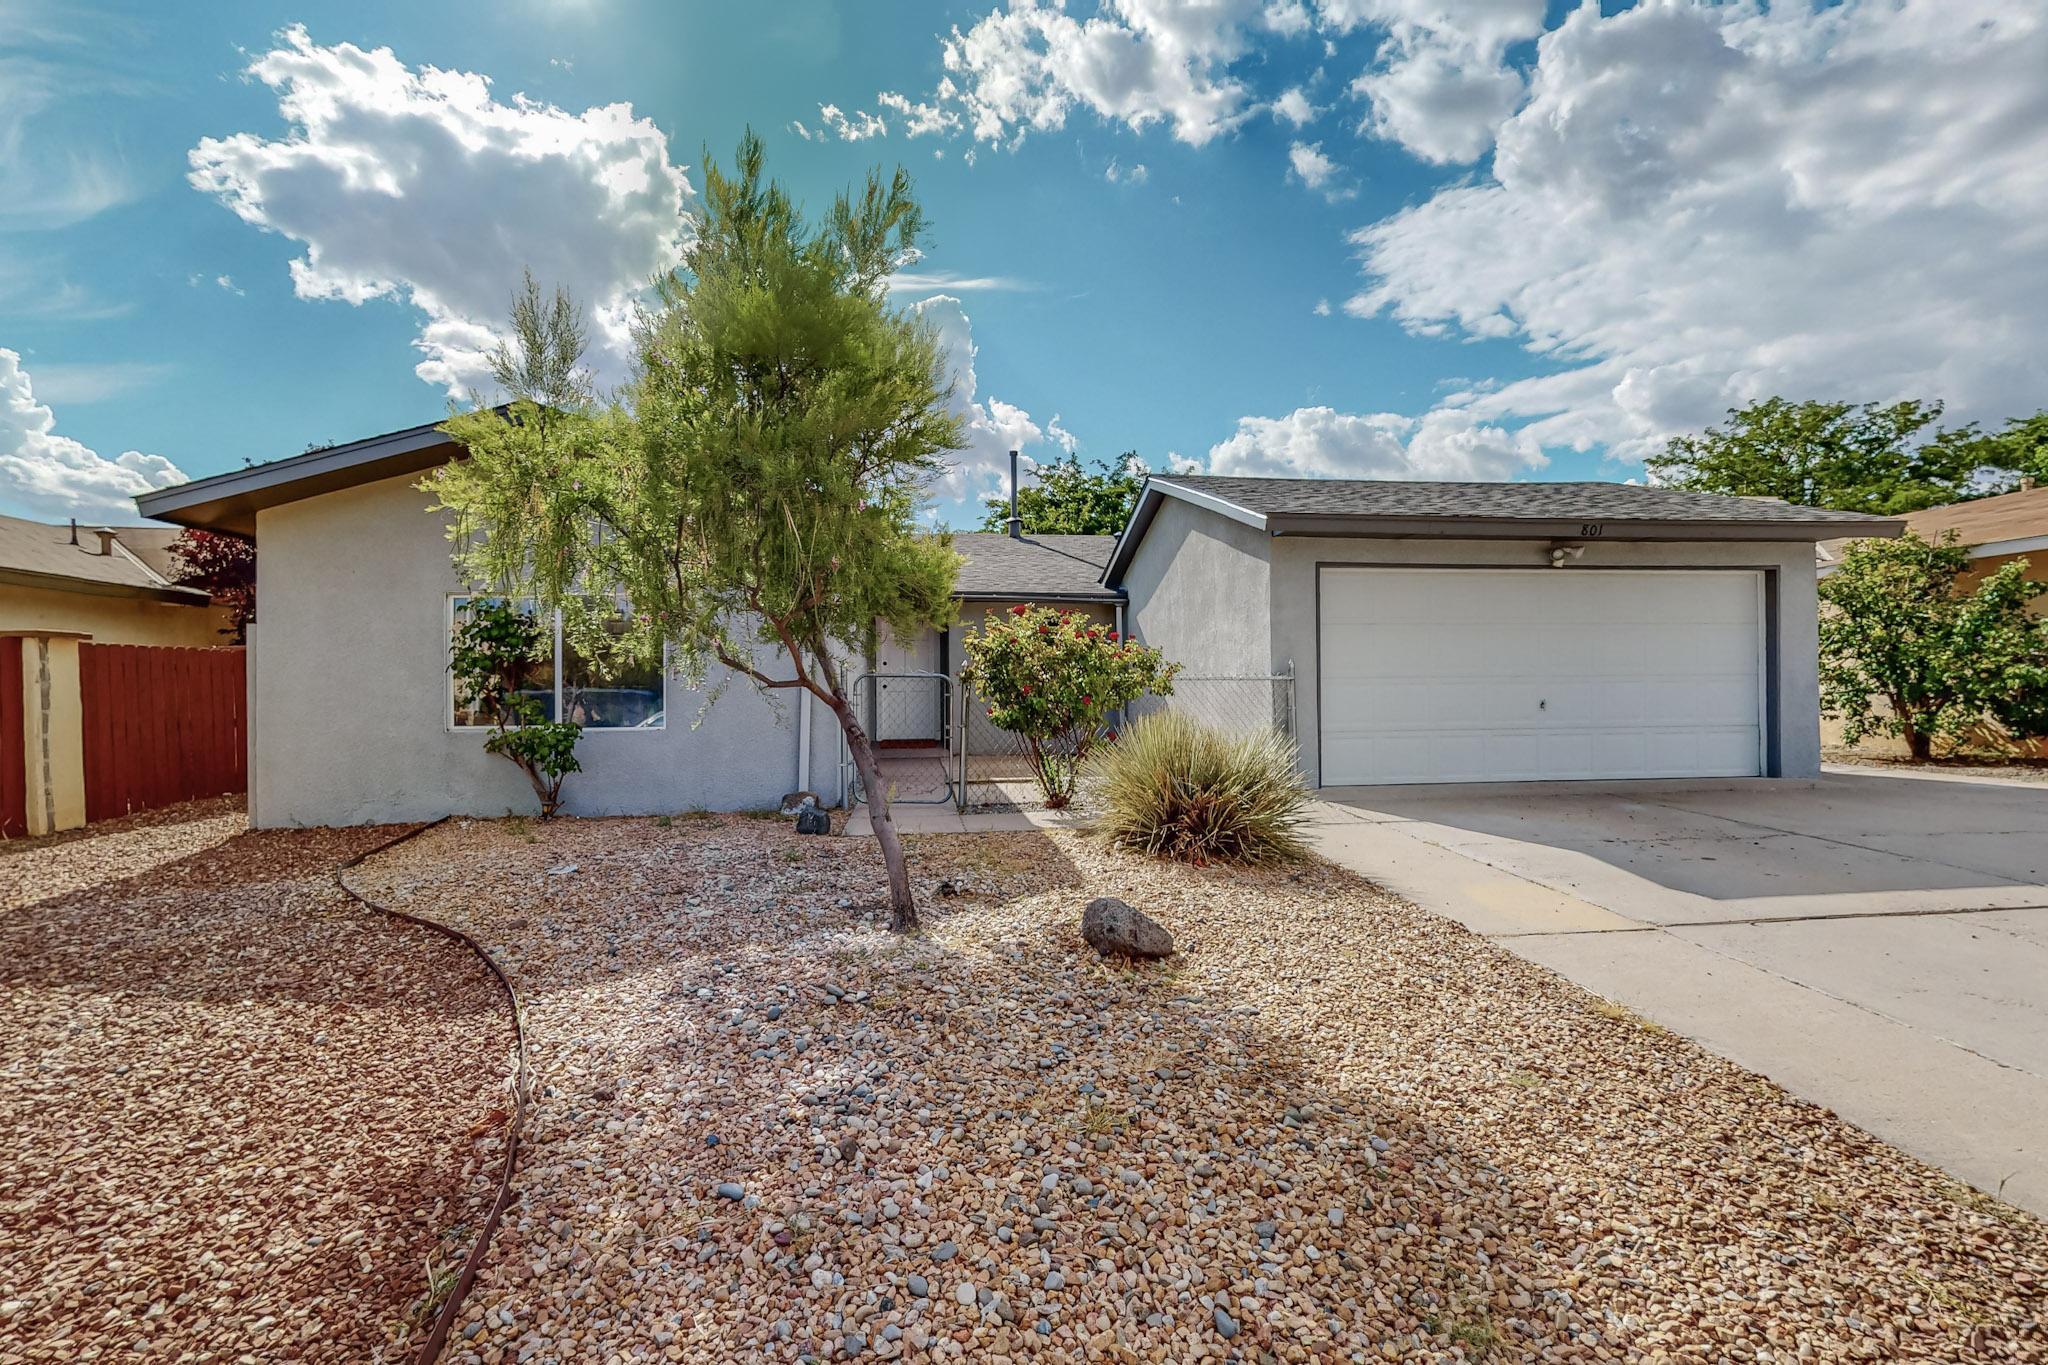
[1175, 788]
[1056, 680]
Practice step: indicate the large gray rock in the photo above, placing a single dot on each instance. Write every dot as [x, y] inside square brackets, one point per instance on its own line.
[1119, 930]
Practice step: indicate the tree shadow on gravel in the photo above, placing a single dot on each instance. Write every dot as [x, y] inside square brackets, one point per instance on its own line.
[988, 1099]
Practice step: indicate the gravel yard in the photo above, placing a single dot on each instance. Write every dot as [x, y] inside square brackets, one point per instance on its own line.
[1335, 1127]
[2015, 770]
[239, 1112]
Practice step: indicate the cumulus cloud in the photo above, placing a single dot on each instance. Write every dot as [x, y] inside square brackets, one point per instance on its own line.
[1440, 83]
[46, 475]
[419, 186]
[1701, 206]
[1293, 105]
[1320, 442]
[1134, 62]
[994, 428]
[1306, 162]
[855, 127]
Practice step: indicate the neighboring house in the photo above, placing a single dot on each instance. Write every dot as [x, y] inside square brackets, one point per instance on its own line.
[1469, 632]
[353, 717]
[112, 585]
[1996, 531]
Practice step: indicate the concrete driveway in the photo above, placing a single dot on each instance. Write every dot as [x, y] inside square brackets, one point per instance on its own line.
[1875, 942]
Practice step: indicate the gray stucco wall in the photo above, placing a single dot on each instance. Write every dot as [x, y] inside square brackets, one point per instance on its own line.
[1200, 591]
[1222, 598]
[350, 686]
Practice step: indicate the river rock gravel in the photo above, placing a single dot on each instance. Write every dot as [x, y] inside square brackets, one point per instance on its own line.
[239, 1112]
[1331, 1127]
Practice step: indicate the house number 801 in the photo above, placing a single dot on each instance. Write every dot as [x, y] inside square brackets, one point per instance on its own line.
[1589, 530]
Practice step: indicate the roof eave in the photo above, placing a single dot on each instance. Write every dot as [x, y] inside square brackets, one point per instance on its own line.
[1530, 528]
[230, 501]
[95, 587]
[1155, 490]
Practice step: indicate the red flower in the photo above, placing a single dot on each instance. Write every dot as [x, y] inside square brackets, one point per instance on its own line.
[1019, 609]
[1087, 701]
[1112, 635]
[1025, 691]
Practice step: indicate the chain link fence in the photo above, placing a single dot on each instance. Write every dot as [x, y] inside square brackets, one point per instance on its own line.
[909, 716]
[994, 775]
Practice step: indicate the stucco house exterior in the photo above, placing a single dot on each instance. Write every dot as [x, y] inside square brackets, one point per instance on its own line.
[1487, 632]
[1437, 632]
[353, 717]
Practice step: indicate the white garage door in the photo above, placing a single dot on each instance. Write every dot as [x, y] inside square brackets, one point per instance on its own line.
[1469, 675]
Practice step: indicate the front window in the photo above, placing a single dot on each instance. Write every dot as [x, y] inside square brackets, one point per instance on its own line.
[566, 686]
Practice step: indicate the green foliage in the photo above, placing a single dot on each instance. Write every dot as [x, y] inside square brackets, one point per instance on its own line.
[1054, 679]
[1873, 458]
[495, 649]
[754, 491]
[1175, 788]
[1070, 498]
[1907, 650]
[2021, 447]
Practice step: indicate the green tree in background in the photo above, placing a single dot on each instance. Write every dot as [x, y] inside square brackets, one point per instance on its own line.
[1883, 459]
[1070, 498]
[2022, 447]
[1907, 650]
[754, 496]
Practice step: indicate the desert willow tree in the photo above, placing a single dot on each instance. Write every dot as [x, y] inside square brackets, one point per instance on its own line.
[753, 493]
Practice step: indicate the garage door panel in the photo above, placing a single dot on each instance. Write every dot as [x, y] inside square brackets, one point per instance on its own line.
[1502, 675]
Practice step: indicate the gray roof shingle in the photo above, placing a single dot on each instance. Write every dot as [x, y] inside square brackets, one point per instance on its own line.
[1498, 501]
[1035, 566]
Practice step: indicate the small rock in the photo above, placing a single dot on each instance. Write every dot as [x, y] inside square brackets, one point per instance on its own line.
[1226, 1326]
[919, 1287]
[964, 1293]
[729, 1190]
[945, 1251]
[1116, 929]
[793, 802]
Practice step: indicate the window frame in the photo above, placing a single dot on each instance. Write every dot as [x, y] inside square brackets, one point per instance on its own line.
[560, 654]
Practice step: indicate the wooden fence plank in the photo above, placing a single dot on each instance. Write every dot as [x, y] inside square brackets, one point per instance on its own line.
[13, 770]
[161, 725]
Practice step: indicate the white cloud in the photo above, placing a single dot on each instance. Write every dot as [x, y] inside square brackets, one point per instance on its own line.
[1440, 84]
[417, 185]
[1135, 62]
[96, 382]
[912, 281]
[1116, 173]
[1294, 106]
[855, 127]
[46, 475]
[1309, 165]
[1322, 308]
[1288, 18]
[1702, 206]
[1320, 442]
[994, 428]
[920, 120]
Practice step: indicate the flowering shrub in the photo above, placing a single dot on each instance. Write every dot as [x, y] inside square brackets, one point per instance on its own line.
[1054, 679]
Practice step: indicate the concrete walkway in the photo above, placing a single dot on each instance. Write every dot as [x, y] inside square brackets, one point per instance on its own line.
[1875, 942]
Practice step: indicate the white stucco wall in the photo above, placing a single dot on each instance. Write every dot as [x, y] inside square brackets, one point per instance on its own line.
[1222, 598]
[351, 692]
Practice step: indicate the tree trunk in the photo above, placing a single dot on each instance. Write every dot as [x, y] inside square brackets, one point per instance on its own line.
[1919, 745]
[902, 907]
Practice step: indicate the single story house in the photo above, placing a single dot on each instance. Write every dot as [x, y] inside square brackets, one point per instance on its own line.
[109, 585]
[1484, 632]
[353, 716]
[1439, 632]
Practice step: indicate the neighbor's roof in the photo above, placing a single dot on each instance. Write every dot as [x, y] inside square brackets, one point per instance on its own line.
[230, 501]
[2008, 524]
[1000, 568]
[1549, 511]
[35, 554]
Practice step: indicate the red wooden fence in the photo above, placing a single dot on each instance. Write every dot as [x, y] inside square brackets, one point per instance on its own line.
[13, 774]
[161, 725]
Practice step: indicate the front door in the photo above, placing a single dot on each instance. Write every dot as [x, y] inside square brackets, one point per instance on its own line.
[909, 710]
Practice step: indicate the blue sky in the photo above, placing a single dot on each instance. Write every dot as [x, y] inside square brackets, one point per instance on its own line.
[1389, 238]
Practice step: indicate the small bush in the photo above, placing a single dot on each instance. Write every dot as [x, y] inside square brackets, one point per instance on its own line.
[1175, 788]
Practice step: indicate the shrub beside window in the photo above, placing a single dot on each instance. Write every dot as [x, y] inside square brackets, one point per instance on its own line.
[502, 658]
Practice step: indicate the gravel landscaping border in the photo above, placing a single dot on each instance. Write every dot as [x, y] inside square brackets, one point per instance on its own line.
[239, 1115]
[444, 1319]
[2012, 770]
[1331, 1127]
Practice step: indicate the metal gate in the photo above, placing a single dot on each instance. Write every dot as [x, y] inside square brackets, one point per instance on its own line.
[909, 719]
